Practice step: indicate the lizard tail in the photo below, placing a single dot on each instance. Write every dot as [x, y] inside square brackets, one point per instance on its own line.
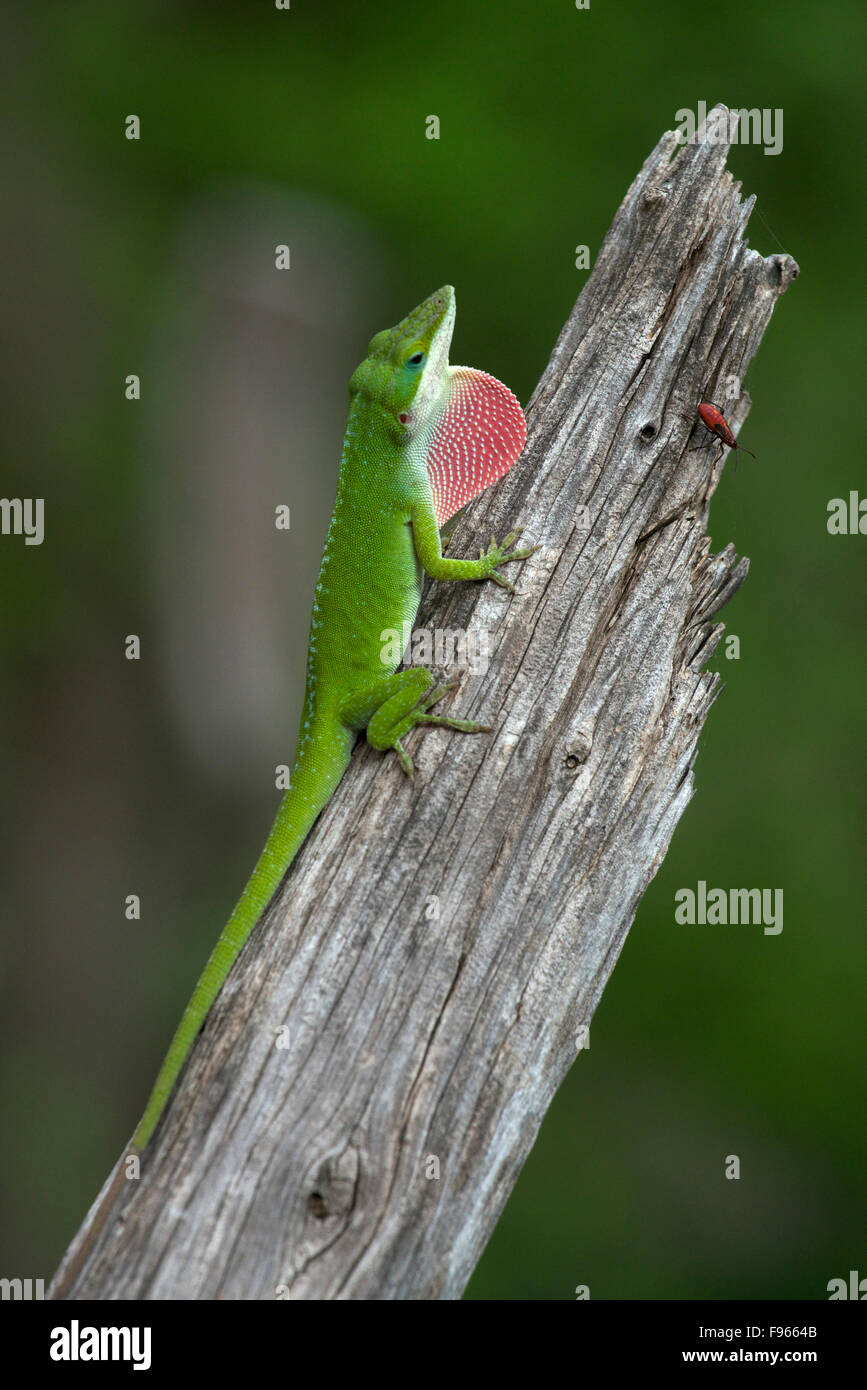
[319, 765]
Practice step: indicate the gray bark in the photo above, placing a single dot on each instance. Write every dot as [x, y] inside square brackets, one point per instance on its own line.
[422, 1030]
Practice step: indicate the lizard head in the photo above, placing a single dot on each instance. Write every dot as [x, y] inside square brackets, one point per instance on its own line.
[405, 370]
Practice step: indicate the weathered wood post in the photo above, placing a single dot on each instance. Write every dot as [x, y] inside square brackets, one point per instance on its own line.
[364, 1093]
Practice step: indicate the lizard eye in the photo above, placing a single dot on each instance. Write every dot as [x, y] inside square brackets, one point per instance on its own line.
[416, 359]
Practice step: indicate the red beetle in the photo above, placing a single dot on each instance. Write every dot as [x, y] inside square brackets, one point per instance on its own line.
[712, 418]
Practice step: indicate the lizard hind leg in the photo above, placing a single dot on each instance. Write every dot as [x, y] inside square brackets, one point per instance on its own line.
[395, 704]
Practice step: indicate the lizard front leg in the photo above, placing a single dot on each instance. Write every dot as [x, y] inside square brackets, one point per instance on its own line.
[426, 539]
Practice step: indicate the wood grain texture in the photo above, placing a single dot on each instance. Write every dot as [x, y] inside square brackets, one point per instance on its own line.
[419, 1028]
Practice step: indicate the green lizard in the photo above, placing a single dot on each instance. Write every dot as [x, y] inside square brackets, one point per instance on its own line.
[422, 439]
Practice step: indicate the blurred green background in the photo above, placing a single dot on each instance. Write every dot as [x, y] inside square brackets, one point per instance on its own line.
[155, 777]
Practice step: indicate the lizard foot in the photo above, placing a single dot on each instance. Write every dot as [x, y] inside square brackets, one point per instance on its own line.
[500, 554]
[432, 697]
